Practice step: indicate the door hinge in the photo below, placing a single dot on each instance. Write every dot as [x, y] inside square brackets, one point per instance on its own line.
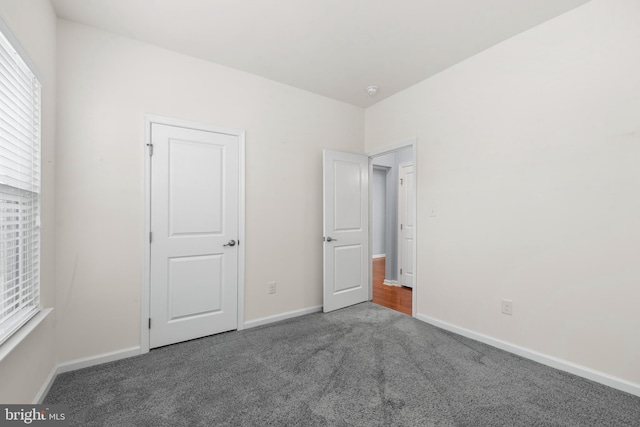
[150, 237]
[400, 226]
[149, 322]
[150, 149]
[400, 271]
[401, 181]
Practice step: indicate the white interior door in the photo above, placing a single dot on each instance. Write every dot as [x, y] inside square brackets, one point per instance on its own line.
[346, 230]
[194, 225]
[407, 225]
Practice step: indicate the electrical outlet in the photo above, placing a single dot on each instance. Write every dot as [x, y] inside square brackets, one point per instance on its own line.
[433, 211]
[272, 287]
[507, 307]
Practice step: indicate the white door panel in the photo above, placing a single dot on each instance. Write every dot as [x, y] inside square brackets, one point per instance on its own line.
[407, 225]
[189, 286]
[348, 274]
[347, 196]
[194, 214]
[346, 230]
[195, 187]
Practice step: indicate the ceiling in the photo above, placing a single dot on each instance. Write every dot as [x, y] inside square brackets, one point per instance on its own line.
[334, 48]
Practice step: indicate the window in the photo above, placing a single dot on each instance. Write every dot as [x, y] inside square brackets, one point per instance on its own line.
[19, 191]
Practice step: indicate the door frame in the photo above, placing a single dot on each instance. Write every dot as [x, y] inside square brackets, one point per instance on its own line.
[149, 120]
[413, 144]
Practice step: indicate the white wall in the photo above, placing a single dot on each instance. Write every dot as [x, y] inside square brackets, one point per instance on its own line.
[378, 211]
[107, 83]
[26, 368]
[530, 152]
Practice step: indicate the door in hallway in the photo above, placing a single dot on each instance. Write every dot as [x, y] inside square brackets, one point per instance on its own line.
[407, 225]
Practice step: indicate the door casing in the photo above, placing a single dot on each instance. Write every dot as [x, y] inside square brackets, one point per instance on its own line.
[413, 144]
[146, 285]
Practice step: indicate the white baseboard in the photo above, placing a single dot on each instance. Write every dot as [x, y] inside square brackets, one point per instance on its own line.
[391, 282]
[84, 362]
[379, 256]
[554, 362]
[45, 387]
[283, 316]
[98, 359]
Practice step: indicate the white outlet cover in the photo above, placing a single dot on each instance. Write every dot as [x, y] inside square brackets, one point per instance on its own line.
[507, 307]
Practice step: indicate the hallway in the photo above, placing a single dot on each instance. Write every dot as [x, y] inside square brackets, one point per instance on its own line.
[394, 297]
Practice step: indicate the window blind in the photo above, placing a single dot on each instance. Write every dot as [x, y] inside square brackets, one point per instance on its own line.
[19, 191]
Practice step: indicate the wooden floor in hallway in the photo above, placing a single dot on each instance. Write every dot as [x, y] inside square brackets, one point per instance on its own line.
[394, 297]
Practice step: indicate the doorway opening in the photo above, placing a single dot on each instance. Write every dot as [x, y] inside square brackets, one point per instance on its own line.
[393, 228]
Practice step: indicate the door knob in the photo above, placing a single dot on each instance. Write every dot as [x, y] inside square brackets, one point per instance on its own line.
[330, 239]
[230, 243]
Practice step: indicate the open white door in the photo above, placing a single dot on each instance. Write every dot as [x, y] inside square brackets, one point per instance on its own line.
[346, 230]
[407, 225]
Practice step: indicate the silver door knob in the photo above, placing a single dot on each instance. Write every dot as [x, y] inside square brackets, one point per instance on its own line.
[330, 239]
[231, 243]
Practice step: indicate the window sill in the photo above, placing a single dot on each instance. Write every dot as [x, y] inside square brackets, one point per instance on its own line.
[21, 334]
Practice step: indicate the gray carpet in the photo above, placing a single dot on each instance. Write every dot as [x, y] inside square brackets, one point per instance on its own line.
[360, 366]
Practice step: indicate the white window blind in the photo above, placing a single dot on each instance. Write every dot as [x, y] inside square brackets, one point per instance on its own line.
[19, 191]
